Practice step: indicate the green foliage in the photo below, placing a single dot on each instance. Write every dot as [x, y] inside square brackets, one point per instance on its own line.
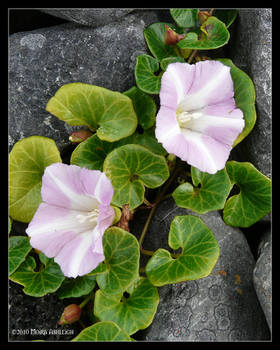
[38, 283]
[254, 199]
[103, 331]
[130, 168]
[19, 247]
[133, 312]
[185, 18]
[27, 161]
[211, 195]
[145, 69]
[200, 251]
[76, 287]
[107, 112]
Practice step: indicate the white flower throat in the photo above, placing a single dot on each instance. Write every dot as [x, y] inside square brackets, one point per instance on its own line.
[91, 216]
[184, 118]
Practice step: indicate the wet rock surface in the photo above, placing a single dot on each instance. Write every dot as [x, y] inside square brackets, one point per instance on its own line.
[220, 307]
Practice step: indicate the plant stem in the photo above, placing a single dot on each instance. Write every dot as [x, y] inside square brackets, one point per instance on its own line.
[85, 301]
[192, 56]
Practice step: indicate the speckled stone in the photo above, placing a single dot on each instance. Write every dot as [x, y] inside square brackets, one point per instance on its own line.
[220, 307]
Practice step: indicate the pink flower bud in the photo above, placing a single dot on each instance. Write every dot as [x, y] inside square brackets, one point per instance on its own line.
[79, 136]
[171, 37]
[70, 314]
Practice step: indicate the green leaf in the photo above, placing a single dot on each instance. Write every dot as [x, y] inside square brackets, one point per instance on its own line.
[144, 106]
[107, 112]
[27, 161]
[155, 35]
[9, 225]
[130, 168]
[244, 95]
[19, 247]
[214, 34]
[122, 256]
[185, 18]
[92, 152]
[254, 199]
[211, 195]
[132, 311]
[103, 331]
[76, 287]
[226, 16]
[166, 61]
[37, 284]
[200, 252]
[145, 78]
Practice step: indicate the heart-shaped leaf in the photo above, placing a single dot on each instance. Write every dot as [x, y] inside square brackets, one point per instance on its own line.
[254, 199]
[166, 61]
[92, 152]
[19, 247]
[76, 287]
[37, 284]
[107, 112]
[213, 34]
[122, 256]
[244, 96]
[185, 18]
[103, 331]
[211, 195]
[200, 252]
[130, 168]
[144, 106]
[27, 162]
[145, 78]
[132, 311]
[155, 38]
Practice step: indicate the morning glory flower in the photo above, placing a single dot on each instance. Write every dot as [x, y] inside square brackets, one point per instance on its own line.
[198, 120]
[70, 222]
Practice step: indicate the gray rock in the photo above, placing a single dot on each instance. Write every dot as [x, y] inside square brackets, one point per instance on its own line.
[93, 17]
[43, 60]
[220, 307]
[263, 276]
[250, 48]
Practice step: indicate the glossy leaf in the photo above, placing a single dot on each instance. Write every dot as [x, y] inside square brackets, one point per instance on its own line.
[133, 311]
[226, 15]
[27, 161]
[155, 38]
[254, 200]
[103, 331]
[145, 78]
[92, 152]
[144, 106]
[107, 112]
[76, 287]
[122, 255]
[19, 247]
[244, 95]
[9, 225]
[130, 168]
[210, 195]
[166, 61]
[214, 34]
[200, 251]
[37, 284]
[185, 18]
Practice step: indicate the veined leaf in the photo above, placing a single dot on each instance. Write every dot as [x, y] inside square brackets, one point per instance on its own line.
[145, 78]
[185, 18]
[19, 247]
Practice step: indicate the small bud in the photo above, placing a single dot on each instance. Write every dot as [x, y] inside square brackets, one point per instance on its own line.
[70, 314]
[203, 16]
[171, 37]
[79, 136]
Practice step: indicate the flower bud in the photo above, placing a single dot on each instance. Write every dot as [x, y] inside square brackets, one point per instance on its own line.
[70, 314]
[79, 136]
[203, 16]
[171, 37]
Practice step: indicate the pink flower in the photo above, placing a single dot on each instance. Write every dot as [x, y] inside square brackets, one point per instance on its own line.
[70, 222]
[198, 120]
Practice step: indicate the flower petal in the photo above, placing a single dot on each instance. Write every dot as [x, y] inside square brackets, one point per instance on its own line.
[212, 84]
[70, 186]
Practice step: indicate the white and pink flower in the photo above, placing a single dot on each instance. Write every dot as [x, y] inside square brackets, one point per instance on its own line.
[198, 120]
[70, 222]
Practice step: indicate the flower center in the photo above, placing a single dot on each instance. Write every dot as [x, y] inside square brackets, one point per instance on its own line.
[184, 118]
[91, 216]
